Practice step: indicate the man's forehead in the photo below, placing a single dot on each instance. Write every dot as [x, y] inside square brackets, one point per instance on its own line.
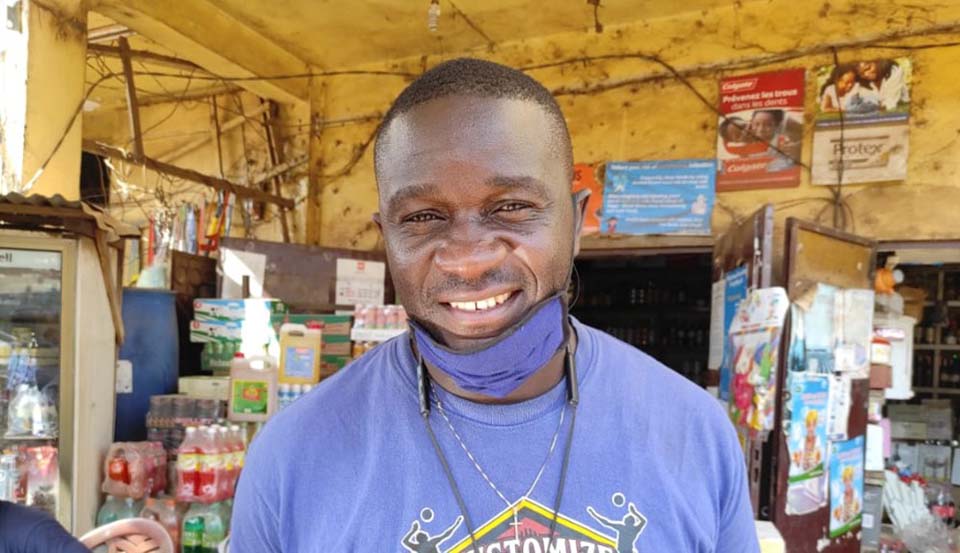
[461, 136]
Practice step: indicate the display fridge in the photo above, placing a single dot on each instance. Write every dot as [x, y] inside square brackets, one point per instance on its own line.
[57, 371]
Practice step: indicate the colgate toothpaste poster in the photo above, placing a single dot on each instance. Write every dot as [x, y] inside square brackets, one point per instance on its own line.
[760, 132]
[861, 131]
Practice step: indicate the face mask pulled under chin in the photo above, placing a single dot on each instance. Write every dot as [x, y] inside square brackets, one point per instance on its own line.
[497, 369]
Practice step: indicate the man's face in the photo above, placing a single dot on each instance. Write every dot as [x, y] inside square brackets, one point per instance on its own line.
[763, 126]
[476, 214]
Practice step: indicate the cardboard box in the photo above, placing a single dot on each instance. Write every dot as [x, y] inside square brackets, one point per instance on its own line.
[215, 309]
[205, 387]
[333, 325]
[908, 430]
[341, 348]
[881, 377]
[330, 364]
[202, 332]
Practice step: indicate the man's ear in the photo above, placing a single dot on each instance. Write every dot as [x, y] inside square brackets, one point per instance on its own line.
[378, 221]
[579, 212]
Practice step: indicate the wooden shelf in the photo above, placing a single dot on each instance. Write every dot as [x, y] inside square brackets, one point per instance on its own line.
[936, 347]
[945, 391]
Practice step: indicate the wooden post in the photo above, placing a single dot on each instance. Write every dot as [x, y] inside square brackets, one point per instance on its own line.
[133, 107]
[277, 181]
[314, 217]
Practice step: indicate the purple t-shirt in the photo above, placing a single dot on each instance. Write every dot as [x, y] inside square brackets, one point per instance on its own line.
[29, 530]
[655, 466]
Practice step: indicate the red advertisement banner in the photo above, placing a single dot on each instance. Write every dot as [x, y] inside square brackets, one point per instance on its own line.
[760, 131]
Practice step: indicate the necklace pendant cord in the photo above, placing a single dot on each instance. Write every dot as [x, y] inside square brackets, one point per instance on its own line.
[573, 398]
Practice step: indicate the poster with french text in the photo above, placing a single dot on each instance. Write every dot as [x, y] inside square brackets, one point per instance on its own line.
[760, 131]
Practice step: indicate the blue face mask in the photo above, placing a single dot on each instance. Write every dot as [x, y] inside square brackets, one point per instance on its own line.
[500, 368]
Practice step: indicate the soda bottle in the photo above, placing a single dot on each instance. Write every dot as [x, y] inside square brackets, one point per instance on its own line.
[165, 512]
[109, 512]
[188, 460]
[227, 465]
[239, 452]
[214, 528]
[191, 537]
[211, 466]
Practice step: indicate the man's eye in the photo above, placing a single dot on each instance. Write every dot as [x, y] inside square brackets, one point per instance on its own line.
[512, 206]
[422, 218]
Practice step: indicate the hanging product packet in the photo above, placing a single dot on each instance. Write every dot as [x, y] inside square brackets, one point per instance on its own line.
[755, 344]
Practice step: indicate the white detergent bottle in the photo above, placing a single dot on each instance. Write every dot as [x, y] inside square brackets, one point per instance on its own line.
[253, 388]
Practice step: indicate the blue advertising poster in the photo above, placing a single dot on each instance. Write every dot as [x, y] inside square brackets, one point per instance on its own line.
[735, 290]
[846, 485]
[659, 197]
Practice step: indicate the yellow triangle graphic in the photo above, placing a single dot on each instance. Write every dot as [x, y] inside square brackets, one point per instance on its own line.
[529, 504]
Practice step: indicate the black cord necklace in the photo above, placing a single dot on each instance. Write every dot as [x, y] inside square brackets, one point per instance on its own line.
[425, 385]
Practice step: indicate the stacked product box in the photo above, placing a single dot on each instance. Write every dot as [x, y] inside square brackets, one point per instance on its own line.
[335, 343]
[227, 326]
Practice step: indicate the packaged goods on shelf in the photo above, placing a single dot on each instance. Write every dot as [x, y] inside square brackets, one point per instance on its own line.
[216, 309]
[205, 387]
[373, 324]
[135, 469]
[170, 414]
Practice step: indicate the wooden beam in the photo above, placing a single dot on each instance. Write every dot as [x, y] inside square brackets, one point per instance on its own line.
[187, 174]
[145, 55]
[278, 170]
[230, 124]
[190, 95]
[210, 36]
[277, 184]
[314, 213]
[133, 107]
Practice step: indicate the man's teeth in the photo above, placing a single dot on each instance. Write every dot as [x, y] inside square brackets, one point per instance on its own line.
[481, 305]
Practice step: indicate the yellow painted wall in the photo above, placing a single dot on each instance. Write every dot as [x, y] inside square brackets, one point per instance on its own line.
[625, 108]
[137, 193]
[662, 119]
[37, 117]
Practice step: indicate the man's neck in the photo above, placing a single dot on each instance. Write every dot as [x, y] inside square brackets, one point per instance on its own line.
[539, 383]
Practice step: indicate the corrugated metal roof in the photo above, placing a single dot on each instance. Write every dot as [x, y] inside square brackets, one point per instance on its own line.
[116, 228]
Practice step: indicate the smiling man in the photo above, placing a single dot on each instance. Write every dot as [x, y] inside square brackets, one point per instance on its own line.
[498, 424]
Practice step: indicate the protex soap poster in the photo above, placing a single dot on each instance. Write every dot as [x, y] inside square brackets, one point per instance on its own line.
[846, 485]
[807, 442]
[861, 133]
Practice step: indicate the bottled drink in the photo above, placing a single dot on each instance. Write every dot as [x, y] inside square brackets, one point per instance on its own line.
[130, 508]
[110, 511]
[225, 478]
[188, 461]
[211, 467]
[240, 446]
[165, 512]
[191, 537]
[214, 528]
[283, 395]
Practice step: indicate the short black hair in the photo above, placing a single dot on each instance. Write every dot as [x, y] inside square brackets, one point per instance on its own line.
[482, 79]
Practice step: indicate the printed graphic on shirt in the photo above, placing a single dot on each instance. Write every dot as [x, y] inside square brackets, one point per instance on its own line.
[525, 526]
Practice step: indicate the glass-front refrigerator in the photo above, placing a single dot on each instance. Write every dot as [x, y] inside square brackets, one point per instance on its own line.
[56, 393]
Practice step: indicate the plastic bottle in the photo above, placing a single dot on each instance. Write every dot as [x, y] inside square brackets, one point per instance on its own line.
[214, 528]
[207, 461]
[131, 508]
[240, 449]
[165, 512]
[191, 536]
[284, 394]
[253, 388]
[297, 392]
[227, 467]
[188, 461]
[110, 511]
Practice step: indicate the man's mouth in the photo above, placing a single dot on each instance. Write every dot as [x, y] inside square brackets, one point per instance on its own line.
[480, 305]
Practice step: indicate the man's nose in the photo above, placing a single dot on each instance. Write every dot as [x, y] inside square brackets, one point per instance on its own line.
[469, 251]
